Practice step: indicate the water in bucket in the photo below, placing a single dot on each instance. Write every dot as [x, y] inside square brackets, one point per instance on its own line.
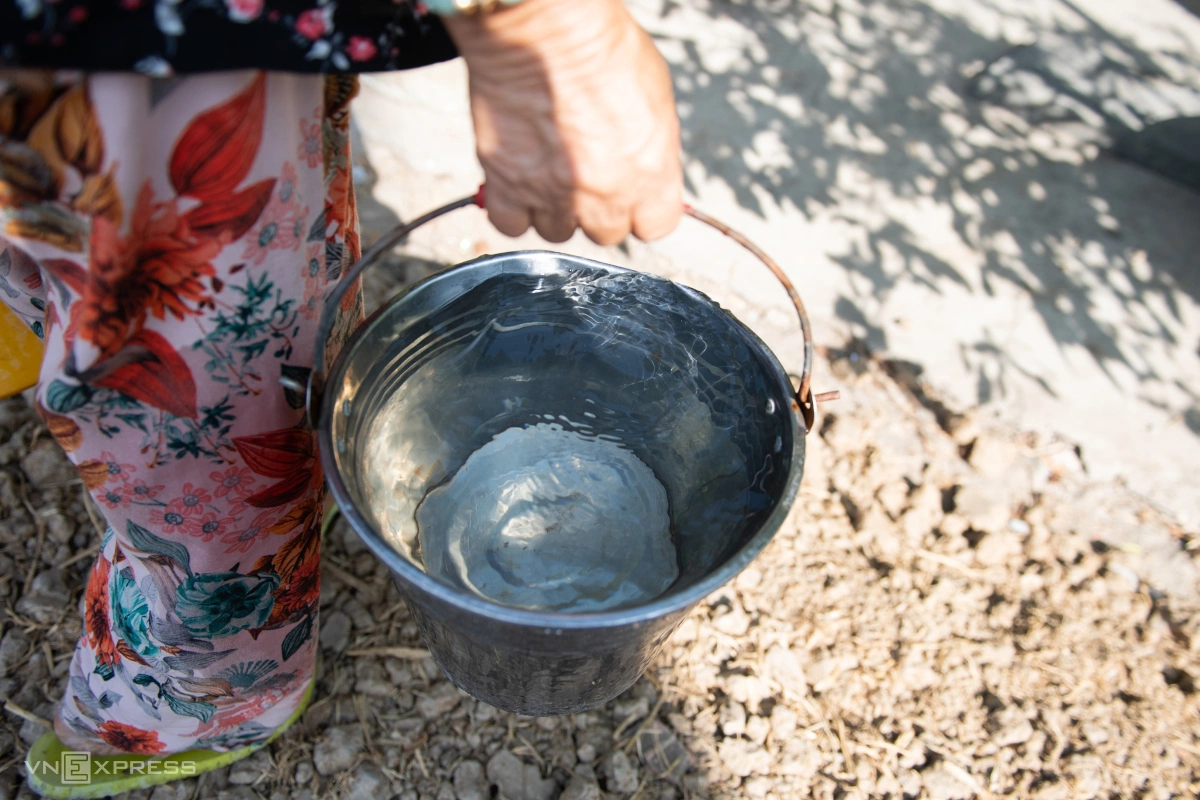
[551, 517]
[543, 444]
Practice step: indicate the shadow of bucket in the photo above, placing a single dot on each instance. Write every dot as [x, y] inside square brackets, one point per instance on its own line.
[510, 339]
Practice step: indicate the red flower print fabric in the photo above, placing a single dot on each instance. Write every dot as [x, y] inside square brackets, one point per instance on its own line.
[161, 38]
[174, 248]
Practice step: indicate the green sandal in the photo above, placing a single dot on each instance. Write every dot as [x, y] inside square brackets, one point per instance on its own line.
[54, 771]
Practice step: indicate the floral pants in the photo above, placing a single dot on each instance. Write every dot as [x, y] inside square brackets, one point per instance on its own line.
[172, 241]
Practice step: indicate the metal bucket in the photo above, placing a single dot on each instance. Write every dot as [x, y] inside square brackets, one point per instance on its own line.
[533, 340]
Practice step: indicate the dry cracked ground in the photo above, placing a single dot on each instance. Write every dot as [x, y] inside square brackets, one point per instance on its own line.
[951, 611]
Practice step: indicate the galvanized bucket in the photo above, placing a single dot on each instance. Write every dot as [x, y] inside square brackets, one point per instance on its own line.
[507, 341]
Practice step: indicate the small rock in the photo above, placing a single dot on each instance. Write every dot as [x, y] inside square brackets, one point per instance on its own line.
[335, 632]
[247, 771]
[757, 729]
[45, 464]
[1017, 734]
[35, 669]
[783, 722]
[398, 671]
[438, 701]
[620, 774]
[371, 679]
[367, 783]
[662, 752]
[560, 752]
[1019, 526]
[1095, 733]
[579, 789]
[1087, 774]
[733, 719]
[757, 788]
[60, 528]
[303, 774]
[30, 731]
[337, 749]
[46, 598]
[734, 623]
[744, 758]
[445, 792]
[485, 712]
[910, 782]
[782, 666]
[374, 687]
[749, 580]
[914, 757]
[941, 785]
[822, 668]
[358, 613]
[469, 783]
[592, 741]
[12, 648]
[518, 780]
[749, 690]
[350, 540]
[635, 707]
[242, 774]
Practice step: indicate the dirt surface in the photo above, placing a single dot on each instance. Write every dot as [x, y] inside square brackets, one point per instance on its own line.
[951, 611]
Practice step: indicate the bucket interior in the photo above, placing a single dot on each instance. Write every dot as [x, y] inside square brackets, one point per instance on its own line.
[557, 434]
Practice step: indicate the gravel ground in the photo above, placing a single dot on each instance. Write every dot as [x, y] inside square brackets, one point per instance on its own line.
[953, 610]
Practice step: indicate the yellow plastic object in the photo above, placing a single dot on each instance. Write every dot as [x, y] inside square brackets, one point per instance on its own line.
[20, 354]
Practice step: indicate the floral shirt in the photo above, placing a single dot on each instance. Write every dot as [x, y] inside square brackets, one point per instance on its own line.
[165, 37]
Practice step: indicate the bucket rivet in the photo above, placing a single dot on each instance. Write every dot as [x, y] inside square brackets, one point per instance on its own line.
[770, 405]
[346, 406]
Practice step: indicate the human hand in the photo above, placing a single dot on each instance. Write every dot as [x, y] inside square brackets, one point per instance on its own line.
[575, 120]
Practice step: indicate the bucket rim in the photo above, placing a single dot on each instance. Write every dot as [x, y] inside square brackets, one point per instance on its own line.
[551, 621]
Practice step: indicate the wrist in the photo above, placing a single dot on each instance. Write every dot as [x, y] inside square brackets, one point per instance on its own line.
[539, 35]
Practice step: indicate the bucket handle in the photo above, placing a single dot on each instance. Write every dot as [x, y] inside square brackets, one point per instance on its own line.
[804, 402]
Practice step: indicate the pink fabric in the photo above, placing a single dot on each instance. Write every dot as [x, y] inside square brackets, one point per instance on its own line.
[173, 242]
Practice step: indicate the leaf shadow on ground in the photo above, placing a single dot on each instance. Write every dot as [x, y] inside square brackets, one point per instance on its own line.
[835, 110]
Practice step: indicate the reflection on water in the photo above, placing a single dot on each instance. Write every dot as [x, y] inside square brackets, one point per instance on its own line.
[547, 518]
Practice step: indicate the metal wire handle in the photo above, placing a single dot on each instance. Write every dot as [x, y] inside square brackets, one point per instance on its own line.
[804, 401]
